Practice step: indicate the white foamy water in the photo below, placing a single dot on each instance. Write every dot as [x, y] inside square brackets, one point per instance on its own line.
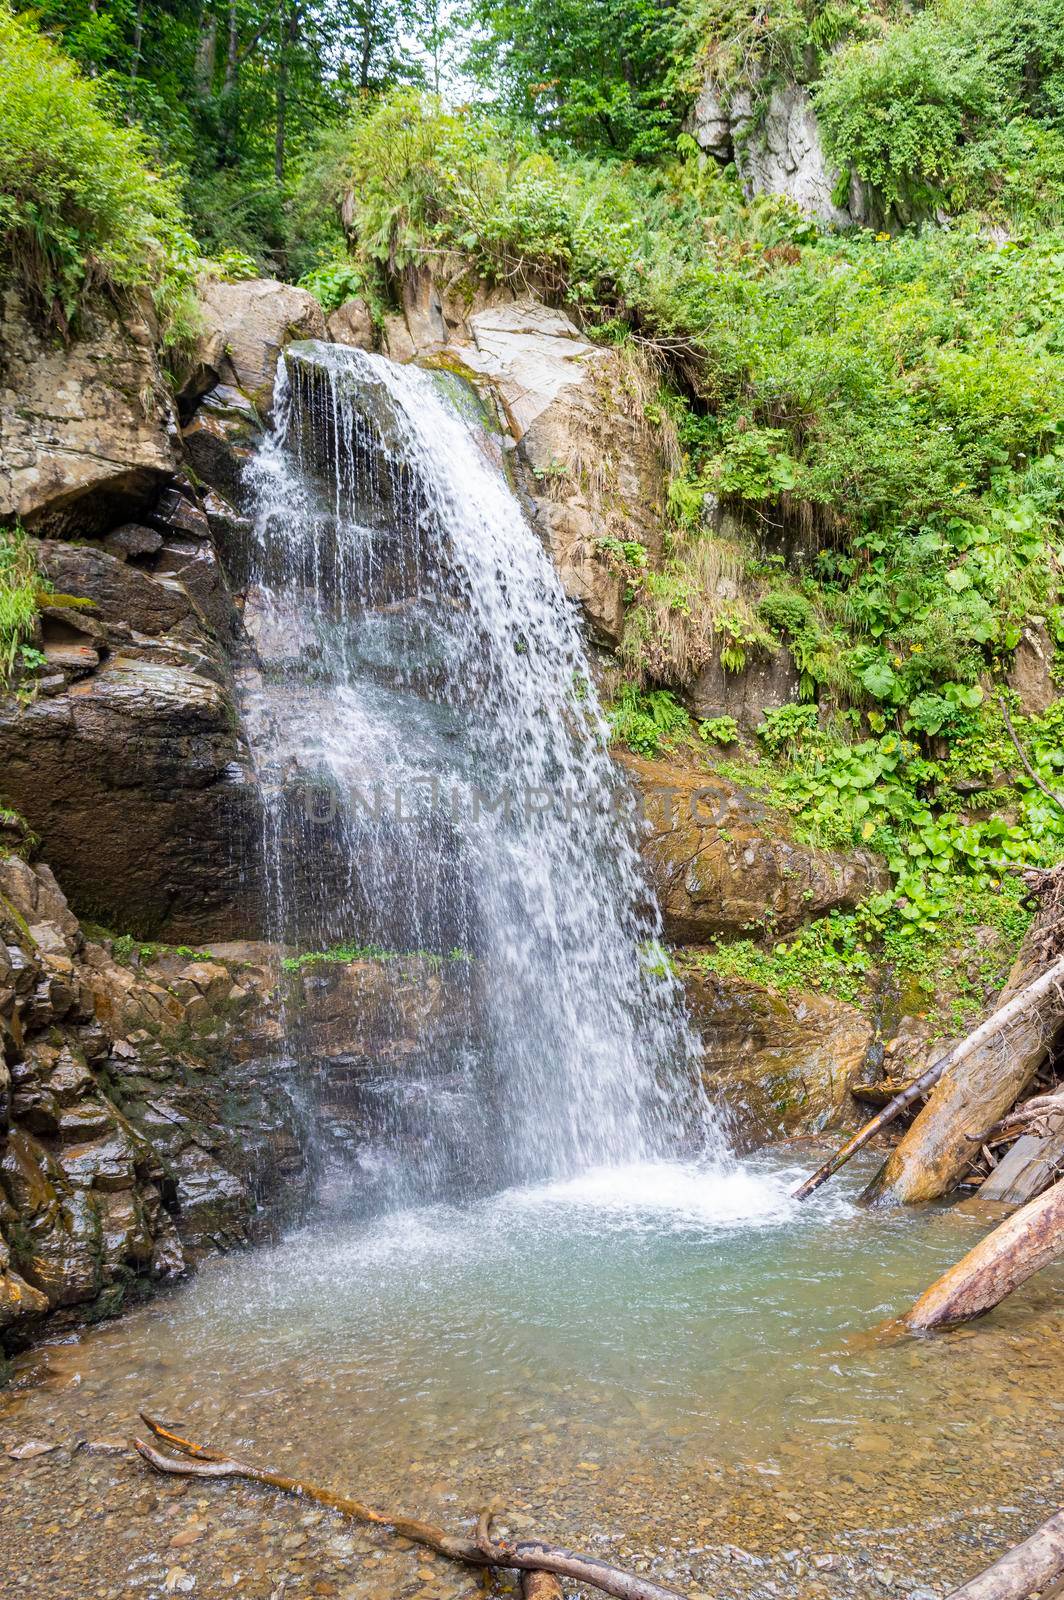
[669, 1194]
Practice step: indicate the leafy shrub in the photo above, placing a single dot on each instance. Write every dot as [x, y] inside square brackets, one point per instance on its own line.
[334, 282]
[788, 728]
[937, 110]
[718, 730]
[650, 723]
[20, 587]
[80, 208]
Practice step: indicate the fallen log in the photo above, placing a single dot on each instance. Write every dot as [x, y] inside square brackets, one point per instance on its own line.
[986, 1075]
[1023, 1244]
[1017, 1026]
[1034, 1567]
[1032, 1164]
[528, 1555]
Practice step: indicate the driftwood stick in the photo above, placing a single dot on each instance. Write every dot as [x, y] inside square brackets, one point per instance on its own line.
[1046, 1109]
[1020, 1004]
[528, 1555]
[1032, 1567]
[209, 1465]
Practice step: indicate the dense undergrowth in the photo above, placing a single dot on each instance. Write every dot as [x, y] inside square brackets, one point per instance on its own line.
[20, 592]
[82, 209]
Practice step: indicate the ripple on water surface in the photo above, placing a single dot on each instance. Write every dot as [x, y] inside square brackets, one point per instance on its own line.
[651, 1359]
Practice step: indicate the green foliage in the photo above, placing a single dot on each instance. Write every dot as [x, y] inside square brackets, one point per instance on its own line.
[649, 723]
[961, 104]
[952, 969]
[789, 728]
[600, 73]
[20, 588]
[234, 97]
[887, 794]
[747, 45]
[421, 181]
[718, 730]
[334, 282]
[80, 205]
[341, 954]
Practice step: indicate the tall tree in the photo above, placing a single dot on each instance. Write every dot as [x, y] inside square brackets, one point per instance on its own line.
[598, 72]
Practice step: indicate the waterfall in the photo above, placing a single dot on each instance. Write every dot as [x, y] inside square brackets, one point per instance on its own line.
[434, 760]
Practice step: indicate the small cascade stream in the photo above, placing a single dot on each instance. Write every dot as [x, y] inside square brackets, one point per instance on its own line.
[437, 779]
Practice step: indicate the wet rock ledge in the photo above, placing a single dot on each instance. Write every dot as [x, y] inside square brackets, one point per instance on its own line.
[151, 1111]
[141, 1112]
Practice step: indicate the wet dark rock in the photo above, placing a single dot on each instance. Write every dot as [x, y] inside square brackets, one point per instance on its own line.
[220, 441]
[720, 865]
[132, 540]
[782, 1064]
[130, 769]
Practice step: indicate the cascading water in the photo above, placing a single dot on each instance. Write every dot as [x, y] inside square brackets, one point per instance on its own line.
[437, 780]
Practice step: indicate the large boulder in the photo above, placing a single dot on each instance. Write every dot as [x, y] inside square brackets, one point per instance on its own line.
[782, 1063]
[85, 428]
[776, 147]
[352, 324]
[128, 763]
[720, 865]
[769, 681]
[246, 326]
[531, 353]
[594, 471]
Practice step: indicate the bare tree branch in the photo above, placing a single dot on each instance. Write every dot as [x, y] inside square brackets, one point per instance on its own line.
[1038, 782]
[529, 1555]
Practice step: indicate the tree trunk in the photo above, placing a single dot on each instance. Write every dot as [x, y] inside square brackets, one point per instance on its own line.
[138, 42]
[365, 55]
[1027, 1241]
[974, 1094]
[232, 46]
[1034, 1567]
[289, 33]
[206, 50]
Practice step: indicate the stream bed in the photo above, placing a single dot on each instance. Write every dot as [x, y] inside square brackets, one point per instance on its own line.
[670, 1366]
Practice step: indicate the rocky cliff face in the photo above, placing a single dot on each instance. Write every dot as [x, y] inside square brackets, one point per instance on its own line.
[136, 1126]
[776, 148]
[86, 429]
[720, 866]
[127, 758]
[783, 1064]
